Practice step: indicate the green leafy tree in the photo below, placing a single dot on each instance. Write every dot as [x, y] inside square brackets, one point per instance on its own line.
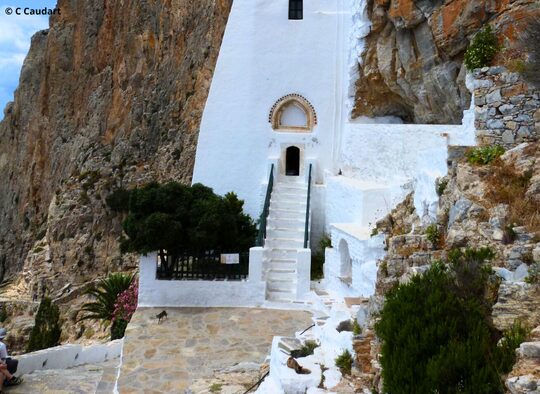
[46, 331]
[174, 218]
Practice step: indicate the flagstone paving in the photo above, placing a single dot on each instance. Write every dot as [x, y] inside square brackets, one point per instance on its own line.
[192, 343]
[86, 379]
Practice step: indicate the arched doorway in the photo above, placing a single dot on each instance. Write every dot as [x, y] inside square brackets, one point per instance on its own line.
[345, 269]
[292, 161]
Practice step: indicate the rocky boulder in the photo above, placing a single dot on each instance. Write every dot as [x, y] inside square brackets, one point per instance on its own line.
[412, 63]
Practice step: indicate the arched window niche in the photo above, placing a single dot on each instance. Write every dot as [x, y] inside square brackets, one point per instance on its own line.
[293, 113]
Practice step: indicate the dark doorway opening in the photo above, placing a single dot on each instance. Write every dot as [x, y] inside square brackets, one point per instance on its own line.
[292, 161]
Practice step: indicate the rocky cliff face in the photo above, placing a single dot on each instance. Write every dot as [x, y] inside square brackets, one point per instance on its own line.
[413, 61]
[474, 213]
[111, 95]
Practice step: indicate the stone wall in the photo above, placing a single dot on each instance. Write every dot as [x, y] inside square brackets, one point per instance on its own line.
[507, 108]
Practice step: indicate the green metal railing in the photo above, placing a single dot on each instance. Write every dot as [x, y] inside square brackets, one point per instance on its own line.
[264, 215]
[306, 232]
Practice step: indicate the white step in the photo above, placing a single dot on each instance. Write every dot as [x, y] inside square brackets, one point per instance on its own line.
[281, 264]
[282, 254]
[281, 286]
[288, 196]
[280, 296]
[281, 275]
[287, 214]
[278, 233]
[292, 204]
[284, 243]
[291, 187]
[285, 224]
[285, 235]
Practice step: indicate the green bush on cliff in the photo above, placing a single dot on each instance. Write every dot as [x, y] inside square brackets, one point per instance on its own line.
[484, 154]
[344, 362]
[505, 353]
[436, 335]
[433, 234]
[46, 331]
[482, 49]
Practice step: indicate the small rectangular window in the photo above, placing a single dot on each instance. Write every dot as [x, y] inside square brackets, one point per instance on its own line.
[296, 9]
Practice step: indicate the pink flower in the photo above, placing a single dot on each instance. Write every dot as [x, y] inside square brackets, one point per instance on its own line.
[126, 303]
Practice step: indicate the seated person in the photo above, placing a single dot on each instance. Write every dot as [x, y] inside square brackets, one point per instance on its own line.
[9, 379]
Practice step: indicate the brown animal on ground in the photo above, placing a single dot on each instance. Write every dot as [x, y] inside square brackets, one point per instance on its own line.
[293, 364]
[161, 316]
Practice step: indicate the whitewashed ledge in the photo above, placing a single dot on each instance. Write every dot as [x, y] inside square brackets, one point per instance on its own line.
[68, 356]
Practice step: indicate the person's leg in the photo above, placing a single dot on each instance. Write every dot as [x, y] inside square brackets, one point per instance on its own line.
[5, 372]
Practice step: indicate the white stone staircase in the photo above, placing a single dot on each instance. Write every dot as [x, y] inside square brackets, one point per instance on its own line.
[284, 237]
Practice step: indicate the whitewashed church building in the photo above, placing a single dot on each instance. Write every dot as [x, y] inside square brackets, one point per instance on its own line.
[276, 130]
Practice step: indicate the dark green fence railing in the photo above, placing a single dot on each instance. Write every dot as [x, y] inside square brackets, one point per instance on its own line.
[203, 266]
[266, 209]
[306, 231]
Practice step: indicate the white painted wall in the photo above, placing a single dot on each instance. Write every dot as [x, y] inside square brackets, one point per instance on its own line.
[263, 57]
[303, 274]
[364, 251]
[397, 156]
[68, 356]
[200, 293]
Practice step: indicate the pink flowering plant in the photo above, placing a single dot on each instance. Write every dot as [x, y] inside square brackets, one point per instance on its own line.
[126, 303]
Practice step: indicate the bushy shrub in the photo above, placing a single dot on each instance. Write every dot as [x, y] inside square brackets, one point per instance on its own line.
[506, 185]
[482, 49]
[505, 353]
[46, 331]
[509, 235]
[357, 330]
[433, 235]
[484, 154]
[344, 362]
[441, 186]
[470, 271]
[317, 259]
[118, 329]
[436, 340]
[307, 349]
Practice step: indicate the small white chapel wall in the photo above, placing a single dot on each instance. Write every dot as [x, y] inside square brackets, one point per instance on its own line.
[198, 293]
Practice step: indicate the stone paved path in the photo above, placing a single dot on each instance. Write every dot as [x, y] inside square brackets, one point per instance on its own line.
[86, 379]
[194, 342]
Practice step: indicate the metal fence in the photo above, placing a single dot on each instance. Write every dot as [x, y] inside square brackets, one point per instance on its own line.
[203, 266]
